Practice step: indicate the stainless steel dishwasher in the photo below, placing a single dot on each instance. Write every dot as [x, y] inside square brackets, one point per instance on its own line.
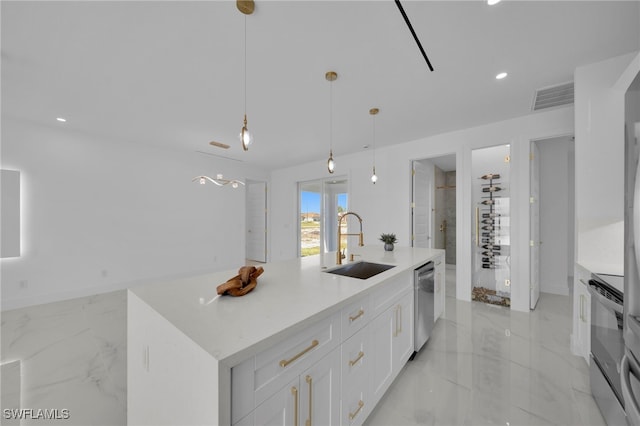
[424, 304]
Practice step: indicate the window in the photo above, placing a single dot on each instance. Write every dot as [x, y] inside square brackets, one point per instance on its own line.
[320, 204]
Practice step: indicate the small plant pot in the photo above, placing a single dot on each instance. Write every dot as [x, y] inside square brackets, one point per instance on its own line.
[388, 246]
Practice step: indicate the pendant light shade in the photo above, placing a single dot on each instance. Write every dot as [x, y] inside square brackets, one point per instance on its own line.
[245, 135]
[331, 76]
[373, 112]
[330, 163]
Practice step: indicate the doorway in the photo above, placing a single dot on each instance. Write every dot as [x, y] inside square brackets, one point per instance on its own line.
[320, 204]
[434, 205]
[256, 221]
[552, 175]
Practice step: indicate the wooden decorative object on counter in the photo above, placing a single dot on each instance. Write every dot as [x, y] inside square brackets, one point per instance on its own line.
[243, 283]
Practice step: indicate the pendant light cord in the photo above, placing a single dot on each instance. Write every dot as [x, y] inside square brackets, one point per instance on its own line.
[374, 141]
[245, 65]
[331, 116]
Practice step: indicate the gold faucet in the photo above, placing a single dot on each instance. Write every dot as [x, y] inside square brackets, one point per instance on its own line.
[340, 234]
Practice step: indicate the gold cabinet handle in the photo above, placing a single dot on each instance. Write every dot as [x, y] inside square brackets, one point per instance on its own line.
[358, 358]
[582, 299]
[294, 392]
[310, 382]
[355, 413]
[285, 362]
[395, 314]
[358, 315]
[400, 320]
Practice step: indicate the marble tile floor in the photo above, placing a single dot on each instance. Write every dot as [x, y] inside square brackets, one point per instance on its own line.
[487, 365]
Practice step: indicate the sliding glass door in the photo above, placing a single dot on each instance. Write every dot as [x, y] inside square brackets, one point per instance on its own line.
[320, 204]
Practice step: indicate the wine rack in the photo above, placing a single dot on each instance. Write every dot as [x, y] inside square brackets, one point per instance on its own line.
[488, 221]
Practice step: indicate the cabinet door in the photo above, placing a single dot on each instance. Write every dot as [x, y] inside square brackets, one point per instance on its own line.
[320, 392]
[439, 288]
[382, 329]
[403, 332]
[584, 321]
[581, 336]
[282, 408]
[357, 358]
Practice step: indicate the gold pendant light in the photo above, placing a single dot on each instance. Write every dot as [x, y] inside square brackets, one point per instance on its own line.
[374, 112]
[331, 76]
[246, 7]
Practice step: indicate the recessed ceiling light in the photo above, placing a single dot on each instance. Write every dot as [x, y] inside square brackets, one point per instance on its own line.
[62, 120]
[492, 2]
[501, 76]
[365, 146]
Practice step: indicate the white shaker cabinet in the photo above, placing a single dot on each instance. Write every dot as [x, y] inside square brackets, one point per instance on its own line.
[313, 398]
[581, 337]
[357, 357]
[439, 287]
[392, 343]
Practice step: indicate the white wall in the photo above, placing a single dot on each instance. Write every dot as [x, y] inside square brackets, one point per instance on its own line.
[556, 176]
[599, 157]
[385, 206]
[100, 215]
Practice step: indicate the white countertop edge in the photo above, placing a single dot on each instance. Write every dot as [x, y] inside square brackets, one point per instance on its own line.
[280, 308]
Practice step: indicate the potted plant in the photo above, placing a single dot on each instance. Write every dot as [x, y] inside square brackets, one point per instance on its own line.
[388, 240]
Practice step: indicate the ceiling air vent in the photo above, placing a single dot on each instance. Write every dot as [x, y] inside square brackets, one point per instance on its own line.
[553, 96]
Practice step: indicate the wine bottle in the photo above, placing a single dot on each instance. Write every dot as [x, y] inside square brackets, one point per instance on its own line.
[488, 253]
[491, 189]
[485, 266]
[488, 234]
[488, 221]
[486, 215]
[487, 202]
[490, 176]
[488, 228]
[491, 247]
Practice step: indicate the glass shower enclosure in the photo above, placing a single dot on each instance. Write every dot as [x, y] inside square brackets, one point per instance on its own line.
[491, 225]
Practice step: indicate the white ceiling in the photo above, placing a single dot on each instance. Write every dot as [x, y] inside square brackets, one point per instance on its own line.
[170, 73]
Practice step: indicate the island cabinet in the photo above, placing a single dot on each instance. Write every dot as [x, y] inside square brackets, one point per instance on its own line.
[334, 372]
[439, 287]
[170, 379]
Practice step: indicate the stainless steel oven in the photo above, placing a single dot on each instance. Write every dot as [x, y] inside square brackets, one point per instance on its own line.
[607, 346]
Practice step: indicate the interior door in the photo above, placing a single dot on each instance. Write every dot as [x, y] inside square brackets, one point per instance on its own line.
[421, 206]
[534, 227]
[256, 238]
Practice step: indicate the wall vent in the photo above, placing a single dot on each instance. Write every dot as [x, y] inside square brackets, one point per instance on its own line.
[553, 96]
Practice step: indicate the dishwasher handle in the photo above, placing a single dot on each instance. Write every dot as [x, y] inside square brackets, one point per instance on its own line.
[424, 278]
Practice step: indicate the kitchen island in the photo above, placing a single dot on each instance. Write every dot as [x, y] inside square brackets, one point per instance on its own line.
[184, 341]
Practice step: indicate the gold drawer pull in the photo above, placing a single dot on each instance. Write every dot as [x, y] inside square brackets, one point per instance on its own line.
[355, 413]
[294, 392]
[310, 382]
[358, 358]
[286, 362]
[360, 313]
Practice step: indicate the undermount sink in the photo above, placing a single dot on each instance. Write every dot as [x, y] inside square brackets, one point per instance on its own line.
[362, 269]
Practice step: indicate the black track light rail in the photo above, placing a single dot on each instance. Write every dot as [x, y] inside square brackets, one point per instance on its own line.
[413, 33]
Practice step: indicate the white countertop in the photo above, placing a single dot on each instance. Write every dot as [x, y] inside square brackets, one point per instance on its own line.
[290, 296]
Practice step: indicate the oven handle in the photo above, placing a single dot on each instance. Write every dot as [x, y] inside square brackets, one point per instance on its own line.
[606, 302]
[630, 401]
